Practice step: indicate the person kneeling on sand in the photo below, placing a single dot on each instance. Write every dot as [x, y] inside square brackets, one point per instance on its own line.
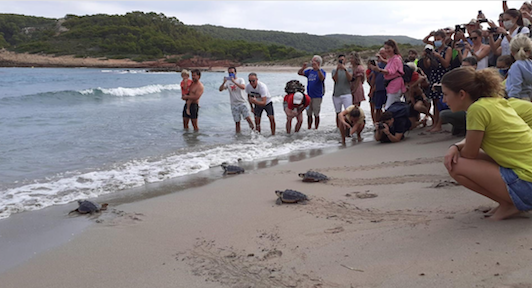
[495, 158]
[294, 104]
[391, 129]
[351, 120]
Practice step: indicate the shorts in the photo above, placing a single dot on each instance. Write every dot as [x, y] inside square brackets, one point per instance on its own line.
[315, 107]
[379, 98]
[239, 110]
[194, 109]
[268, 107]
[520, 190]
[338, 101]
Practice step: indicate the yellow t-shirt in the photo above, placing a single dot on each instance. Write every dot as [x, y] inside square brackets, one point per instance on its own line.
[507, 138]
[523, 109]
[362, 117]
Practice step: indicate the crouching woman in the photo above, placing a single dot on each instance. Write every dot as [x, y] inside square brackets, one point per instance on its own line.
[352, 120]
[495, 158]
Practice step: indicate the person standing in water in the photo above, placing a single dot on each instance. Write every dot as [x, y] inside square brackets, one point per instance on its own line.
[196, 90]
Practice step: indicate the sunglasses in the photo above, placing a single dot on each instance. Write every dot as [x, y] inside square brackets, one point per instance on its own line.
[252, 81]
[473, 38]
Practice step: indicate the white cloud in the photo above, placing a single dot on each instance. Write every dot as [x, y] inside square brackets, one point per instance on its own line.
[411, 18]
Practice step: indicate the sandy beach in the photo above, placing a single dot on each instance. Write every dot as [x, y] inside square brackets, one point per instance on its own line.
[389, 217]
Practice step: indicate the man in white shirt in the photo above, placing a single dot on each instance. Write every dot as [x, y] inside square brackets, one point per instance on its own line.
[260, 100]
[237, 96]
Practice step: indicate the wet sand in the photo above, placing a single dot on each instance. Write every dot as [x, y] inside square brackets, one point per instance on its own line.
[390, 216]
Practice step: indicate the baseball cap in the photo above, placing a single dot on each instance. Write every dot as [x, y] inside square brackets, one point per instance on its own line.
[298, 98]
[430, 47]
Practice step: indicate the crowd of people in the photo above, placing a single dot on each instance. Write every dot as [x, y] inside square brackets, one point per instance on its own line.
[484, 72]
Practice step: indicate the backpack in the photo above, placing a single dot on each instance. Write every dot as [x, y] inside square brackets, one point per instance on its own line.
[407, 75]
[455, 60]
[399, 109]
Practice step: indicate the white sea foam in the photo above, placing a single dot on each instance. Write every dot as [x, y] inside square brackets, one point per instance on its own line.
[132, 92]
[75, 186]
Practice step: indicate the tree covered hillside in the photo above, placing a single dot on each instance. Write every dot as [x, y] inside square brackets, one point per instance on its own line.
[301, 41]
[135, 35]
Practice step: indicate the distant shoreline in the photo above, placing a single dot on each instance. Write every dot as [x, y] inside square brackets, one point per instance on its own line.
[12, 59]
[21, 60]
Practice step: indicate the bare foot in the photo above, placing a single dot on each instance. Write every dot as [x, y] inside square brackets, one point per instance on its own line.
[434, 130]
[360, 138]
[493, 210]
[504, 212]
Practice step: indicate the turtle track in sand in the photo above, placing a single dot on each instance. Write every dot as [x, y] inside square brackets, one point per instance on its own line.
[350, 213]
[233, 268]
[392, 180]
[382, 165]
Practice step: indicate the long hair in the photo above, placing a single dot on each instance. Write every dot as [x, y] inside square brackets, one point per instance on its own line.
[482, 83]
[356, 58]
[393, 44]
[514, 13]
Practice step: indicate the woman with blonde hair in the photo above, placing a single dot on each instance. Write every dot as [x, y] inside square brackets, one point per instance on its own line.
[359, 77]
[519, 80]
[495, 158]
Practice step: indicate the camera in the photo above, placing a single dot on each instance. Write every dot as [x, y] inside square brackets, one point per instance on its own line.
[459, 28]
[380, 125]
[492, 29]
[372, 62]
[437, 88]
[341, 61]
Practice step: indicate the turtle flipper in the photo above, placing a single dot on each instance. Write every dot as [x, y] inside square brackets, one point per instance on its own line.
[279, 201]
[75, 210]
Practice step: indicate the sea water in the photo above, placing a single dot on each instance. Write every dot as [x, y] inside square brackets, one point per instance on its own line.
[69, 134]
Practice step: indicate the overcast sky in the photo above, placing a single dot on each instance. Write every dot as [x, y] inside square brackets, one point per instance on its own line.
[411, 18]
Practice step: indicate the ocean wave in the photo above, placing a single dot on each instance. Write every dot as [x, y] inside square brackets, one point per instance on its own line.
[131, 92]
[74, 186]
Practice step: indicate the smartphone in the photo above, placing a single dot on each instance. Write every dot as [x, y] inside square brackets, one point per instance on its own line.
[373, 62]
[341, 61]
[492, 29]
[482, 20]
[228, 78]
[437, 88]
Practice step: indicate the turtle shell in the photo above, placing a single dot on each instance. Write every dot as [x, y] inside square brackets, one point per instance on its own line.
[87, 206]
[292, 196]
[313, 176]
[231, 169]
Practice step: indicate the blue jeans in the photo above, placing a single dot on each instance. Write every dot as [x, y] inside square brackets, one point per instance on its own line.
[520, 190]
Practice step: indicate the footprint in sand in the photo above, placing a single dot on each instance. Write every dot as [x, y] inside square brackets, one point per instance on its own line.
[445, 183]
[335, 230]
[366, 195]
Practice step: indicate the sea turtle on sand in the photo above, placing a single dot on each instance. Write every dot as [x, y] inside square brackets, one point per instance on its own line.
[231, 169]
[312, 176]
[289, 196]
[86, 206]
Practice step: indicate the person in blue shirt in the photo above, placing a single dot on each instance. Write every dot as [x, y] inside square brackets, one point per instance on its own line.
[519, 80]
[315, 89]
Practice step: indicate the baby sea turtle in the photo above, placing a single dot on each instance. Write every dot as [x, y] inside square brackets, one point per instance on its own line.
[312, 176]
[86, 206]
[231, 169]
[289, 196]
